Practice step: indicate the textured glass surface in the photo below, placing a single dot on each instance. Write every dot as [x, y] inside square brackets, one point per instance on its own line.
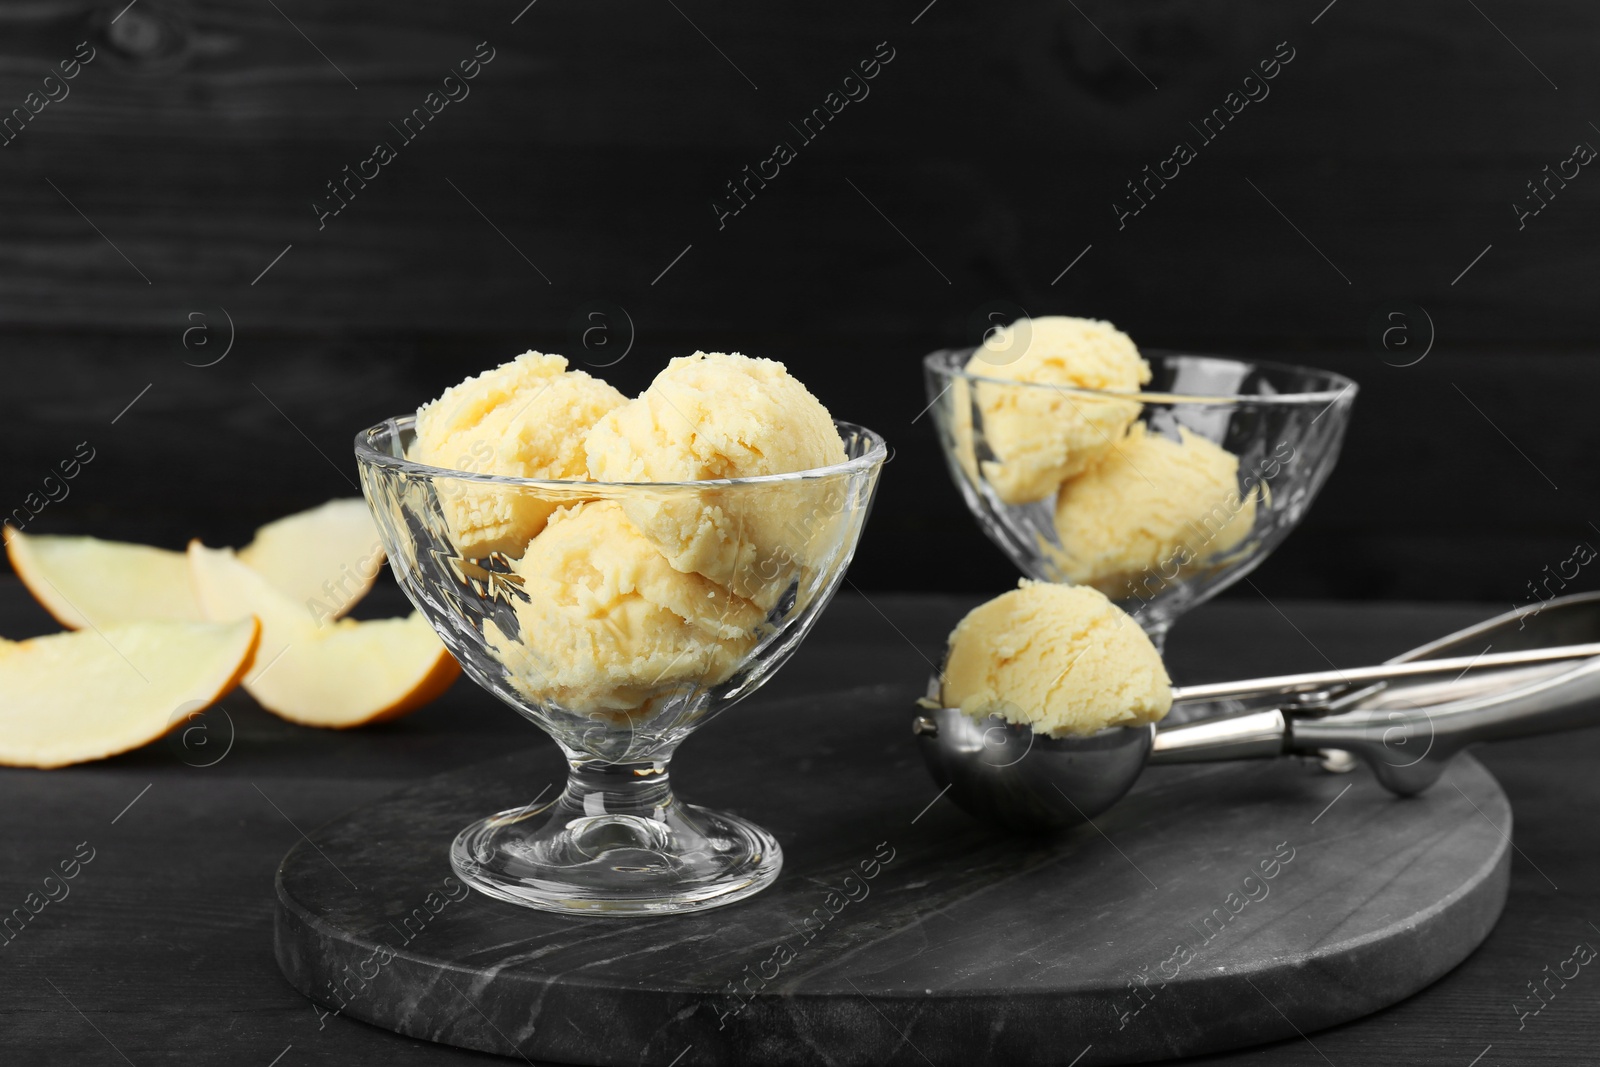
[636, 614]
[1284, 425]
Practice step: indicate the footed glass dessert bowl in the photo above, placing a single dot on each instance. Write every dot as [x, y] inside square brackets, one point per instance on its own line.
[636, 613]
[1178, 491]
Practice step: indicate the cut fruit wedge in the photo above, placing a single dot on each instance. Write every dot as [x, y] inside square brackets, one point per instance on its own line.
[358, 673]
[326, 558]
[72, 697]
[86, 582]
[336, 674]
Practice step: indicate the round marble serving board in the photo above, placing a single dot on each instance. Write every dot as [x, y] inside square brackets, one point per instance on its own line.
[965, 946]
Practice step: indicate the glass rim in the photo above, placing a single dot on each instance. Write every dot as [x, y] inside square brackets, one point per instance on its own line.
[951, 363]
[368, 454]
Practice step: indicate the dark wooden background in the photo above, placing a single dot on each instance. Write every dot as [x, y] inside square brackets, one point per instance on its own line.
[983, 162]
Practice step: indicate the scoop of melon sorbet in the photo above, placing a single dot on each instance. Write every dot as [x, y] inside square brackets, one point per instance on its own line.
[526, 419]
[716, 416]
[1059, 658]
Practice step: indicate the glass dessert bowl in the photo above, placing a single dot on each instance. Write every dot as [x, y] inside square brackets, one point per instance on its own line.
[1184, 488]
[637, 612]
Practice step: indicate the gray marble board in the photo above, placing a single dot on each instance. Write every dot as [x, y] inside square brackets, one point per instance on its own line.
[1216, 906]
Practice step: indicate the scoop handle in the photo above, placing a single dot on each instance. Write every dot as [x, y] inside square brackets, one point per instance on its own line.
[1408, 748]
[1285, 685]
[1256, 735]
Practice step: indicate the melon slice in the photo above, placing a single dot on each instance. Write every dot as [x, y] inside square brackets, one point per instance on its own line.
[72, 697]
[322, 672]
[86, 582]
[326, 558]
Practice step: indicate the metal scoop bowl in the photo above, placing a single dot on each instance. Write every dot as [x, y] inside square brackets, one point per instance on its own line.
[1402, 719]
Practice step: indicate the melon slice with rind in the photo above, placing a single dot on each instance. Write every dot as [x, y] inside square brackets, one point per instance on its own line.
[86, 582]
[85, 695]
[325, 558]
[318, 673]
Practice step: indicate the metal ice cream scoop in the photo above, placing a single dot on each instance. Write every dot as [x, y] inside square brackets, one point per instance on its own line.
[1405, 719]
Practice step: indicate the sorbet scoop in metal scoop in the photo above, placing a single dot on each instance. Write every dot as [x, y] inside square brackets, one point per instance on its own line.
[1006, 773]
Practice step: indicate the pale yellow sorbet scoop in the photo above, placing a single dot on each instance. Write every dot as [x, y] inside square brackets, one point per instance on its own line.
[526, 419]
[1149, 510]
[710, 416]
[606, 624]
[1060, 658]
[1039, 432]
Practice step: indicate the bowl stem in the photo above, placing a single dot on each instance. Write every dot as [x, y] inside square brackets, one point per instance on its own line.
[616, 841]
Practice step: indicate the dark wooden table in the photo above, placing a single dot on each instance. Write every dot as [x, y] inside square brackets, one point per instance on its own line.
[160, 953]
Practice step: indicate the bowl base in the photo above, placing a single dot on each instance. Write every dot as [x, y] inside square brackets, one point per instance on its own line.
[576, 862]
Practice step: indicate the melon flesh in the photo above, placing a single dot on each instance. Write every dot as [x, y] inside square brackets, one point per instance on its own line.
[358, 673]
[326, 558]
[334, 674]
[72, 697]
[86, 582]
